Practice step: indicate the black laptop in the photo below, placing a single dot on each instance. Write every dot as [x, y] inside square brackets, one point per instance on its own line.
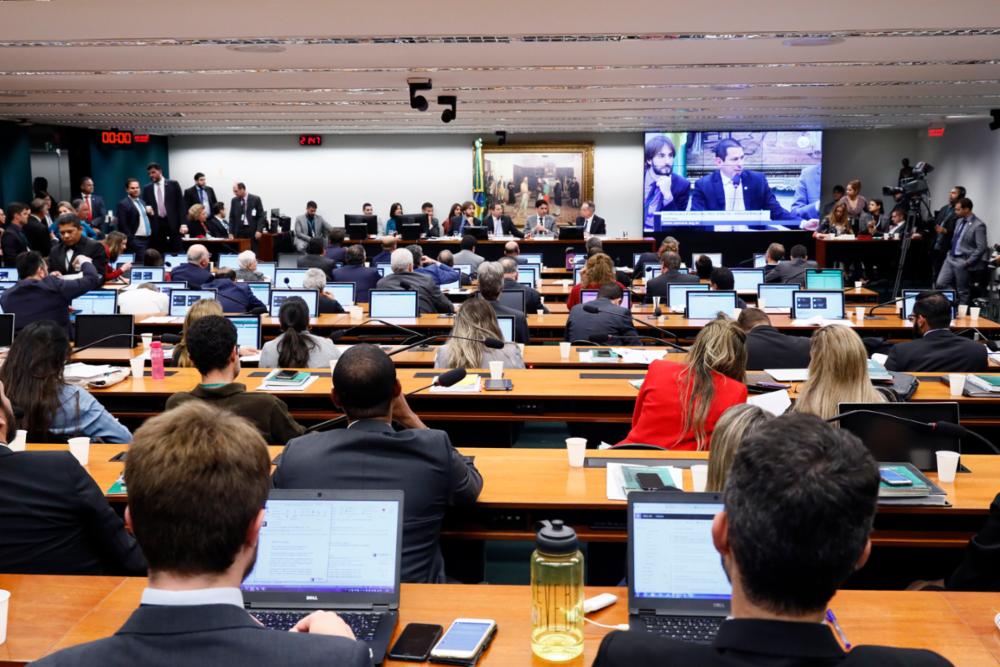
[892, 440]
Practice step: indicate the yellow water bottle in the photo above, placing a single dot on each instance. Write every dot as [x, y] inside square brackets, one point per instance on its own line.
[556, 594]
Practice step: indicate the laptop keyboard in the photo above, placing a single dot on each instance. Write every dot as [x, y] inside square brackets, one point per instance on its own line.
[363, 625]
[698, 629]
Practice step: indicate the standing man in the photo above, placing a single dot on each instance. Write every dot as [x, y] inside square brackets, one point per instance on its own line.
[944, 229]
[14, 242]
[541, 222]
[499, 224]
[733, 188]
[664, 190]
[167, 200]
[199, 193]
[93, 203]
[592, 224]
[310, 226]
[72, 244]
[135, 219]
[967, 252]
[36, 230]
[246, 214]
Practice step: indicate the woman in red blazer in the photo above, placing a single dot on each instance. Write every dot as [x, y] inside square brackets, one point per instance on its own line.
[599, 270]
[665, 414]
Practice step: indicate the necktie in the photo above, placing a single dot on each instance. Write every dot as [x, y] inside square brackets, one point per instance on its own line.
[145, 218]
[203, 197]
[161, 209]
[312, 226]
[90, 209]
[958, 237]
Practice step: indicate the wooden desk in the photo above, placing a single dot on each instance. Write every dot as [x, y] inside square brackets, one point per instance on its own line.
[51, 613]
[220, 246]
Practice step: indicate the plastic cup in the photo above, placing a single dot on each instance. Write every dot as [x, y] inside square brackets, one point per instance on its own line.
[564, 350]
[699, 477]
[356, 314]
[496, 370]
[540, 312]
[974, 312]
[859, 313]
[4, 606]
[80, 449]
[576, 448]
[956, 383]
[963, 310]
[947, 465]
[138, 365]
[147, 340]
[858, 284]
[656, 302]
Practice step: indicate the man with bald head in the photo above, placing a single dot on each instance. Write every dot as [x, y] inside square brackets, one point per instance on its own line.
[512, 250]
[195, 271]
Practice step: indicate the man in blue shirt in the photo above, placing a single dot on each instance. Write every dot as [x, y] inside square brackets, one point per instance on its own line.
[442, 275]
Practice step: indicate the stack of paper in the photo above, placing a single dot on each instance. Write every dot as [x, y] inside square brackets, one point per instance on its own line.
[80, 371]
[644, 357]
[470, 384]
[270, 385]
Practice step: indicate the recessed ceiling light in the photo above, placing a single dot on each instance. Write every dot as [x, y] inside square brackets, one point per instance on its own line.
[256, 48]
[817, 40]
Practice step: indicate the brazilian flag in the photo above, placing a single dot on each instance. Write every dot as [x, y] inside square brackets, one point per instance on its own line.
[478, 189]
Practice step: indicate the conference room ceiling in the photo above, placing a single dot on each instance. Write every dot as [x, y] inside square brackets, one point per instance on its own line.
[222, 67]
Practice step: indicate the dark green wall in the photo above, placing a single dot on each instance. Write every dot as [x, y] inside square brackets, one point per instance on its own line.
[15, 164]
[111, 165]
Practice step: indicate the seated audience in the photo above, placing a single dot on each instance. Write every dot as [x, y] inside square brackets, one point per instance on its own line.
[735, 424]
[114, 245]
[476, 320]
[490, 286]
[371, 454]
[447, 258]
[838, 373]
[599, 270]
[217, 225]
[429, 296]
[671, 272]
[72, 244]
[314, 258]
[775, 253]
[310, 226]
[388, 247]
[394, 224]
[875, 220]
[142, 299]
[532, 299]
[837, 223]
[315, 279]
[680, 403]
[512, 250]
[211, 346]
[980, 566]
[792, 271]
[722, 280]
[199, 309]
[654, 258]
[467, 255]
[769, 348]
[296, 347]
[441, 273]
[234, 297]
[197, 221]
[195, 271]
[54, 518]
[782, 586]
[53, 410]
[248, 272]
[355, 271]
[612, 325]
[197, 484]
[39, 296]
[152, 257]
[336, 250]
[937, 349]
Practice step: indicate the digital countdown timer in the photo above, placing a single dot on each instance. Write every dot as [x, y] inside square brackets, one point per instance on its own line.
[122, 138]
[310, 140]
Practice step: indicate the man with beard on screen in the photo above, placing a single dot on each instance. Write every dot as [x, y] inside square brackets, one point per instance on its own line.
[664, 190]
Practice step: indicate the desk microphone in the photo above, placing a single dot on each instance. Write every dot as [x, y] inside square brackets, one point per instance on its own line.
[879, 305]
[288, 283]
[410, 332]
[165, 338]
[603, 339]
[593, 309]
[942, 427]
[489, 341]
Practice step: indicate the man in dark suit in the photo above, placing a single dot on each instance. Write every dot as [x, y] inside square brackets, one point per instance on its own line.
[429, 296]
[792, 271]
[499, 224]
[135, 219]
[782, 586]
[385, 255]
[457, 225]
[336, 250]
[592, 224]
[91, 202]
[370, 454]
[195, 271]
[314, 259]
[355, 271]
[944, 228]
[722, 280]
[967, 253]
[53, 517]
[246, 214]
[769, 348]
[532, 299]
[490, 286]
[14, 242]
[670, 262]
[167, 201]
[937, 350]
[512, 250]
[197, 484]
[217, 225]
[234, 297]
[199, 193]
[36, 230]
[733, 188]
[40, 296]
[664, 190]
[611, 324]
[72, 244]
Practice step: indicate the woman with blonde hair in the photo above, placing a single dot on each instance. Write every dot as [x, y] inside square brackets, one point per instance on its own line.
[838, 373]
[837, 223]
[679, 404]
[853, 199]
[736, 423]
[197, 219]
[599, 270]
[476, 319]
[199, 309]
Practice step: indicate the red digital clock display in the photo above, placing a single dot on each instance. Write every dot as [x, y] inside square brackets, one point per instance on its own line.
[310, 140]
[117, 138]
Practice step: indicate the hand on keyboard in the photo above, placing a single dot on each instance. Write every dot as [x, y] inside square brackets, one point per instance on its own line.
[324, 623]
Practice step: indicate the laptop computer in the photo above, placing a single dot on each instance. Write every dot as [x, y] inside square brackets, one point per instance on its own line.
[818, 303]
[229, 261]
[716, 258]
[587, 295]
[247, 330]
[777, 297]
[570, 233]
[677, 587]
[289, 278]
[88, 329]
[759, 260]
[181, 300]
[267, 269]
[746, 280]
[506, 323]
[8, 275]
[892, 440]
[146, 274]
[173, 260]
[824, 279]
[392, 304]
[261, 290]
[910, 299]
[333, 550]
[513, 298]
[279, 296]
[343, 293]
[652, 271]
[529, 273]
[702, 305]
[96, 302]
[677, 294]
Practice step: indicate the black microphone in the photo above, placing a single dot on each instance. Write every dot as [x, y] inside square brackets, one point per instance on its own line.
[410, 332]
[489, 341]
[879, 305]
[603, 339]
[942, 427]
[173, 339]
[593, 309]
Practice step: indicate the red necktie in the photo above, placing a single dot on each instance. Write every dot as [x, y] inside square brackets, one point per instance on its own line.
[90, 210]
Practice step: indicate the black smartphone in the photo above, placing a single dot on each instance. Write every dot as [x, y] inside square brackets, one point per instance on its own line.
[650, 481]
[285, 375]
[415, 642]
[503, 384]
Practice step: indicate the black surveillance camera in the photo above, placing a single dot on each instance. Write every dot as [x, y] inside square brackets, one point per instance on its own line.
[450, 101]
[418, 102]
[501, 138]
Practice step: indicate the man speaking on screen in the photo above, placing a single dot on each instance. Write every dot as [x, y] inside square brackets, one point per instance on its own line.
[733, 188]
[665, 190]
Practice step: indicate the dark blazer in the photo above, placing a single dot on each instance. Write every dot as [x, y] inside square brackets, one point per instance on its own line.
[13, 242]
[709, 195]
[680, 191]
[98, 209]
[790, 271]
[234, 297]
[215, 228]
[455, 226]
[218, 635]
[645, 258]
[520, 321]
[597, 225]
[383, 257]
[769, 348]
[532, 299]
[371, 455]
[191, 198]
[612, 325]
[192, 274]
[506, 225]
[89, 247]
[430, 299]
[328, 306]
[173, 202]
[129, 219]
[47, 299]
[55, 520]
[755, 643]
[364, 280]
[336, 252]
[317, 262]
[256, 219]
[37, 233]
[660, 285]
[938, 351]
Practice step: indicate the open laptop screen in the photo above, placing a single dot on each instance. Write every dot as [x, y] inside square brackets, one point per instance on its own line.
[279, 296]
[247, 330]
[146, 274]
[652, 271]
[267, 269]
[528, 272]
[343, 293]
[716, 258]
[824, 279]
[777, 296]
[8, 275]
[707, 305]
[677, 293]
[512, 298]
[746, 280]
[229, 261]
[506, 323]
[261, 290]
[96, 302]
[392, 304]
[181, 300]
[587, 295]
[910, 299]
[826, 304]
[289, 278]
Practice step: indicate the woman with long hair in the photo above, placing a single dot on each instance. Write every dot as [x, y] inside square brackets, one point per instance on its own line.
[736, 423]
[36, 386]
[837, 223]
[114, 245]
[476, 319]
[853, 199]
[199, 309]
[679, 403]
[454, 218]
[599, 270]
[394, 224]
[296, 347]
[838, 373]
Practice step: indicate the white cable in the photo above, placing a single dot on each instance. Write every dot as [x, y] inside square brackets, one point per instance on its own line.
[620, 626]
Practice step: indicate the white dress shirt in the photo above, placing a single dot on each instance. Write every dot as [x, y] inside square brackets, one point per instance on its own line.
[734, 194]
[198, 596]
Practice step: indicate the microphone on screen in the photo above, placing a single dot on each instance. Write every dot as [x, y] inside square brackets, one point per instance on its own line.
[593, 309]
[288, 283]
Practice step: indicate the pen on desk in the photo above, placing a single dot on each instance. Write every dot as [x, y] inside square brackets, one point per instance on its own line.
[840, 631]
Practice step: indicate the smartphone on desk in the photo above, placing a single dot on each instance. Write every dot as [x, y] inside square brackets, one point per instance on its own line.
[893, 478]
[465, 638]
[285, 375]
[415, 642]
[650, 481]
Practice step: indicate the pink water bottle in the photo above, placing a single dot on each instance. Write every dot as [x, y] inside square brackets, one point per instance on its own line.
[156, 357]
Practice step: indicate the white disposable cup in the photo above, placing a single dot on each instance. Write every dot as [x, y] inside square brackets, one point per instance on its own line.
[963, 310]
[974, 312]
[80, 449]
[947, 465]
[19, 442]
[656, 302]
[147, 340]
[956, 383]
[564, 350]
[858, 284]
[540, 312]
[859, 313]
[496, 370]
[576, 448]
[138, 365]
[699, 477]
[761, 303]
[520, 348]
[4, 607]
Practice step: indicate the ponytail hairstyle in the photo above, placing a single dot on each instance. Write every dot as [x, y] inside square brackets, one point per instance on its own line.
[295, 345]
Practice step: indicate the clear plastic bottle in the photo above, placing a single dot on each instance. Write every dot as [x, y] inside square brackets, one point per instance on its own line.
[556, 594]
[156, 359]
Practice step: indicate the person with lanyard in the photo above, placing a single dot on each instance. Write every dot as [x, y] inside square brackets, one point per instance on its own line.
[199, 193]
[310, 226]
[133, 218]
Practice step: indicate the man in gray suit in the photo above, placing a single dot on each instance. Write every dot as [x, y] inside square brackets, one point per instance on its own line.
[967, 253]
[197, 482]
[541, 222]
[793, 271]
[310, 226]
[467, 255]
[430, 299]
[611, 324]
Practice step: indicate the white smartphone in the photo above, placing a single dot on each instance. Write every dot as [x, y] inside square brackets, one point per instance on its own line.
[464, 638]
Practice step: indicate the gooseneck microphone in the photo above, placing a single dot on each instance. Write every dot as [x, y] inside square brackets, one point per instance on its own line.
[489, 341]
[593, 309]
[942, 427]
[165, 338]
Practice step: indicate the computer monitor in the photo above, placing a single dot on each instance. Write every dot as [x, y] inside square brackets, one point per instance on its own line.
[369, 221]
[247, 330]
[776, 295]
[528, 273]
[759, 260]
[892, 440]
[279, 296]
[588, 295]
[146, 274]
[478, 232]
[381, 270]
[716, 258]
[168, 286]
[703, 305]
[289, 278]
[464, 268]
[173, 260]
[910, 299]
[343, 293]
[88, 329]
[386, 269]
[268, 269]
[570, 233]
[8, 275]
[412, 225]
[824, 279]
[182, 299]
[577, 270]
[261, 290]
[392, 304]
[229, 261]
[6, 285]
[512, 298]
[6, 329]
[531, 258]
[746, 280]
[652, 271]
[677, 293]
[827, 304]
[288, 260]
[506, 323]
[97, 302]
[453, 285]
[124, 258]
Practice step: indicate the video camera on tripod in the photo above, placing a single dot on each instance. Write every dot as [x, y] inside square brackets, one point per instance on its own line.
[913, 187]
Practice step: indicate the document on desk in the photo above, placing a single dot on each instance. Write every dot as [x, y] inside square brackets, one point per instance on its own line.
[774, 402]
[616, 479]
[163, 319]
[286, 387]
[80, 371]
[644, 357]
[788, 374]
[821, 322]
[470, 384]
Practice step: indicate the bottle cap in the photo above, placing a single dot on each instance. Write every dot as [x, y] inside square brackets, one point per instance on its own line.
[156, 343]
[554, 537]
